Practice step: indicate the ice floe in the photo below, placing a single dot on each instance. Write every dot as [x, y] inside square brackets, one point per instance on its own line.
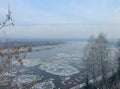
[29, 62]
[60, 64]
[59, 69]
[47, 84]
[23, 79]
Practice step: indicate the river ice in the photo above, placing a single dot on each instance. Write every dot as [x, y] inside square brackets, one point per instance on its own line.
[47, 84]
[59, 69]
[59, 64]
[23, 79]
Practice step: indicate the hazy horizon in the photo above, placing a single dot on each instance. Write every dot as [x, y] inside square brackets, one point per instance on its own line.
[62, 19]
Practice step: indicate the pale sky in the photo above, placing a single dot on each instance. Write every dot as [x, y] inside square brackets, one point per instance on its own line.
[62, 18]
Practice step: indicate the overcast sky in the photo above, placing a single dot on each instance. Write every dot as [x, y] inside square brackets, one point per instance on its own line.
[62, 18]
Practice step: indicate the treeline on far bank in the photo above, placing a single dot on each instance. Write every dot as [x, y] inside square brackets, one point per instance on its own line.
[22, 43]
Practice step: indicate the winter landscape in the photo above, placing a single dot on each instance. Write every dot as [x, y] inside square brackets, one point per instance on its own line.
[59, 44]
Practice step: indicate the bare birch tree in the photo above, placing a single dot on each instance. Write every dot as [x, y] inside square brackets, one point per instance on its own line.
[96, 58]
[102, 54]
[117, 57]
[89, 60]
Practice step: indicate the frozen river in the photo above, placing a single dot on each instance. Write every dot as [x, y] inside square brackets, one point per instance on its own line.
[54, 68]
[60, 66]
[58, 60]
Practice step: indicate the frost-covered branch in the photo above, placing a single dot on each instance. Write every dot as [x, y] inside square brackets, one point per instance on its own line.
[8, 20]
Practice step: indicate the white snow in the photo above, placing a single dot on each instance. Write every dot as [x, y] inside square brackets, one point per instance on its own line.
[29, 62]
[58, 64]
[47, 84]
[11, 74]
[59, 69]
[14, 73]
[23, 79]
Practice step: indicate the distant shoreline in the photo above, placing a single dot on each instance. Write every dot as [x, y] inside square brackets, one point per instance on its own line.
[37, 48]
[43, 47]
